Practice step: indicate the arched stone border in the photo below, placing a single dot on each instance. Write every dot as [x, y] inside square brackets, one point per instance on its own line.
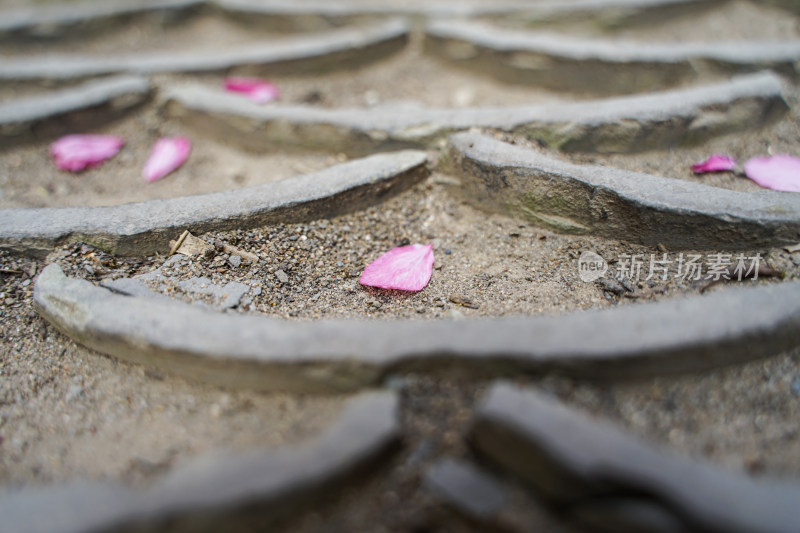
[220, 492]
[147, 227]
[618, 203]
[283, 15]
[606, 15]
[592, 66]
[266, 354]
[74, 108]
[316, 53]
[56, 19]
[624, 124]
[612, 480]
[322, 14]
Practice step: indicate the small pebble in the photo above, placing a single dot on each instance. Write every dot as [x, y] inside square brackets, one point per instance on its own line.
[235, 261]
[282, 276]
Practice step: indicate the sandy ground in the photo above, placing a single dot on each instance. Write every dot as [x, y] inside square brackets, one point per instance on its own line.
[69, 413]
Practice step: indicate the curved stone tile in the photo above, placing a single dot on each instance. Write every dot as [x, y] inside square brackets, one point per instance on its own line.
[578, 462]
[348, 47]
[223, 492]
[69, 110]
[618, 203]
[297, 14]
[287, 15]
[604, 14]
[54, 19]
[263, 353]
[621, 124]
[147, 227]
[561, 62]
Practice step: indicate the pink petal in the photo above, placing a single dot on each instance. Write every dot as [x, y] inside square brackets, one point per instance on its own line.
[715, 163]
[77, 152]
[406, 268]
[167, 155]
[260, 91]
[780, 172]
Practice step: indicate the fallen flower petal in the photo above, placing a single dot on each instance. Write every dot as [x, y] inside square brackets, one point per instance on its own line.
[406, 268]
[715, 163]
[259, 91]
[77, 152]
[167, 155]
[780, 172]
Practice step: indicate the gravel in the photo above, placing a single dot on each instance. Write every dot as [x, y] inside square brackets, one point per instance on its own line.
[68, 413]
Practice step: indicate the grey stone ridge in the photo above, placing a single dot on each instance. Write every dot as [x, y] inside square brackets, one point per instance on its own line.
[604, 14]
[223, 492]
[622, 124]
[616, 203]
[49, 21]
[147, 227]
[72, 109]
[268, 354]
[561, 62]
[351, 46]
[613, 481]
[320, 14]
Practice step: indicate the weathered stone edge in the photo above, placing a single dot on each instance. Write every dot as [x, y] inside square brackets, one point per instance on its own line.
[18, 21]
[602, 14]
[617, 203]
[147, 227]
[576, 462]
[433, 9]
[219, 492]
[322, 51]
[561, 62]
[107, 97]
[28, 20]
[253, 352]
[622, 124]
[614, 51]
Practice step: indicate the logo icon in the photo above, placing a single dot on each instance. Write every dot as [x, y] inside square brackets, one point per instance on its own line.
[591, 266]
